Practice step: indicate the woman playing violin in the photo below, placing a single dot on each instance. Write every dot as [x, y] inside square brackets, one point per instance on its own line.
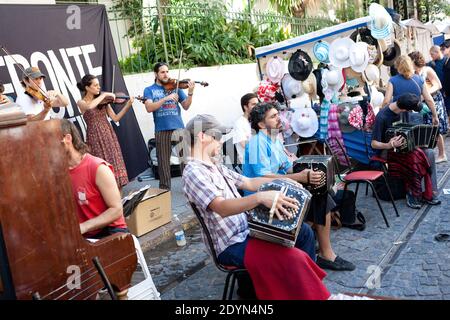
[101, 138]
[164, 104]
[36, 102]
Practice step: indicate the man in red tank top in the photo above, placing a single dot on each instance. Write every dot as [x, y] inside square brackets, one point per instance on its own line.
[94, 188]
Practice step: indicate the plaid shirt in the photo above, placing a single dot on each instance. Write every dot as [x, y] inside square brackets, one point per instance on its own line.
[202, 183]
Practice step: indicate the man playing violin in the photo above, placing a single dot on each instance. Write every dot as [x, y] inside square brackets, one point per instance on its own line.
[164, 104]
[36, 102]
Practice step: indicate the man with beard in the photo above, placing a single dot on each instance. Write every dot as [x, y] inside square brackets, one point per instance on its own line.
[164, 104]
[265, 156]
[94, 187]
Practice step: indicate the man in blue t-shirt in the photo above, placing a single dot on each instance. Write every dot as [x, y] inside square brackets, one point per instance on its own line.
[167, 117]
[265, 156]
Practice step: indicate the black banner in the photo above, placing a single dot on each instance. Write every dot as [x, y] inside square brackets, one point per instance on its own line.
[66, 42]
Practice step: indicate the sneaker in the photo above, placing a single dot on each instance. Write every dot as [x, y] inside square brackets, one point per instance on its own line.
[412, 202]
[338, 264]
[433, 202]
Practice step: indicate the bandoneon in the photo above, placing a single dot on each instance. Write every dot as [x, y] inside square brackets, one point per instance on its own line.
[282, 232]
[415, 135]
[322, 163]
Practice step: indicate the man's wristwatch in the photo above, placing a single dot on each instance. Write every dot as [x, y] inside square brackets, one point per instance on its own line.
[190, 94]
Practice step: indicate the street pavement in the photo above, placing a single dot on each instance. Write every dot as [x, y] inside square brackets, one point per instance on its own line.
[403, 261]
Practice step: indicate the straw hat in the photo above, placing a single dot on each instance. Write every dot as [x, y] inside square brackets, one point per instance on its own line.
[310, 86]
[371, 74]
[373, 45]
[340, 52]
[381, 24]
[376, 98]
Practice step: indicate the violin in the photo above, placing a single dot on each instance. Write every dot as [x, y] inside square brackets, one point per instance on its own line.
[120, 98]
[182, 84]
[38, 95]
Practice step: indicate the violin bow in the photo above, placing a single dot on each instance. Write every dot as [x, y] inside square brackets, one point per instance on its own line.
[113, 78]
[179, 71]
[19, 65]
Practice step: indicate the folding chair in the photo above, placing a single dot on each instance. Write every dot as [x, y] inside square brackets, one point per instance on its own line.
[231, 271]
[364, 176]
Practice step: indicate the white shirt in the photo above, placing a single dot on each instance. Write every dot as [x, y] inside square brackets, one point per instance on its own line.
[31, 106]
[242, 131]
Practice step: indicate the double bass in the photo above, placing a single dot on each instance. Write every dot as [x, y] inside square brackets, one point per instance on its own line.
[42, 252]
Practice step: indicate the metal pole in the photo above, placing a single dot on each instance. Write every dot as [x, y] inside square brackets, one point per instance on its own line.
[158, 5]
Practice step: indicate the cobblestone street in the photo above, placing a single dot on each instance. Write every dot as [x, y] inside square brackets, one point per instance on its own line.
[403, 261]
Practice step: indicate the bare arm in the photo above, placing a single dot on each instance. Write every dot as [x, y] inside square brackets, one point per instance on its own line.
[430, 103]
[116, 117]
[151, 106]
[84, 106]
[57, 99]
[253, 184]
[228, 207]
[106, 183]
[435, 82]
[395, 142]
[187, 102]
[40, 116]
[388, 94]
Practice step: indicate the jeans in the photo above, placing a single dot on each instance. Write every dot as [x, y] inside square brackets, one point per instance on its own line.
[234, 254]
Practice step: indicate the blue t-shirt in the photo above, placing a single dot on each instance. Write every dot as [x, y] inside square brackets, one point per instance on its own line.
[264, 156]
[168, 117]
[384, 119]
[402, 85]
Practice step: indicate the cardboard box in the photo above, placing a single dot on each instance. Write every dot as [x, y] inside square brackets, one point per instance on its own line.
[153, 211]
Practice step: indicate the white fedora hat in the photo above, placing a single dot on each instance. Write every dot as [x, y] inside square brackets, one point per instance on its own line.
[359, 56]
[292, 88]
[371, 74]
[305, 122]
[275, 69]
[340, 52]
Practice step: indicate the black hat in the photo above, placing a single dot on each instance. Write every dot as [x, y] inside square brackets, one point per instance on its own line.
[391, 54]
[409, 102]
[318, 74]
[300, 65]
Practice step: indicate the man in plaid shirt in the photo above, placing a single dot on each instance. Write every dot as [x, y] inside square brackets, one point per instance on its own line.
[212, 188]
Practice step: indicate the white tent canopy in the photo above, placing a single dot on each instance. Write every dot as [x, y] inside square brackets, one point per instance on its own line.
[306, 41]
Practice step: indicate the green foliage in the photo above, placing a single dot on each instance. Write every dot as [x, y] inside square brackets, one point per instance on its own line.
[130, 10]
[207, 39]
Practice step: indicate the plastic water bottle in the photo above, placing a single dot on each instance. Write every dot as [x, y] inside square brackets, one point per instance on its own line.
[179, 231]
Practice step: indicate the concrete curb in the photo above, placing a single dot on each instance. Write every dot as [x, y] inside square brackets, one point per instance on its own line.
[165, 233]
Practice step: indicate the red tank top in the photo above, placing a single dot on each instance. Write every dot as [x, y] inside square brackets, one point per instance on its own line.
[88, 198]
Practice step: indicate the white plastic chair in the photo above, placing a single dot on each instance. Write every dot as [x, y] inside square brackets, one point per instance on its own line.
[146, 289]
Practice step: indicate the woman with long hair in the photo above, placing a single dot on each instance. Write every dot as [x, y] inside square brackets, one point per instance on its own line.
[434, 86]
[406, 81]
[101, 138]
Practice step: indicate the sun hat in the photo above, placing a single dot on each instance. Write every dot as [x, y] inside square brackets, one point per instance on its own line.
[332, 79]
[359, 56]
[300, 65]
[275, 69]
[310, 86]
[321, 51]
[381, 23]
[292, 88]
[340, 52]
[371, 74]
[305, 122]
